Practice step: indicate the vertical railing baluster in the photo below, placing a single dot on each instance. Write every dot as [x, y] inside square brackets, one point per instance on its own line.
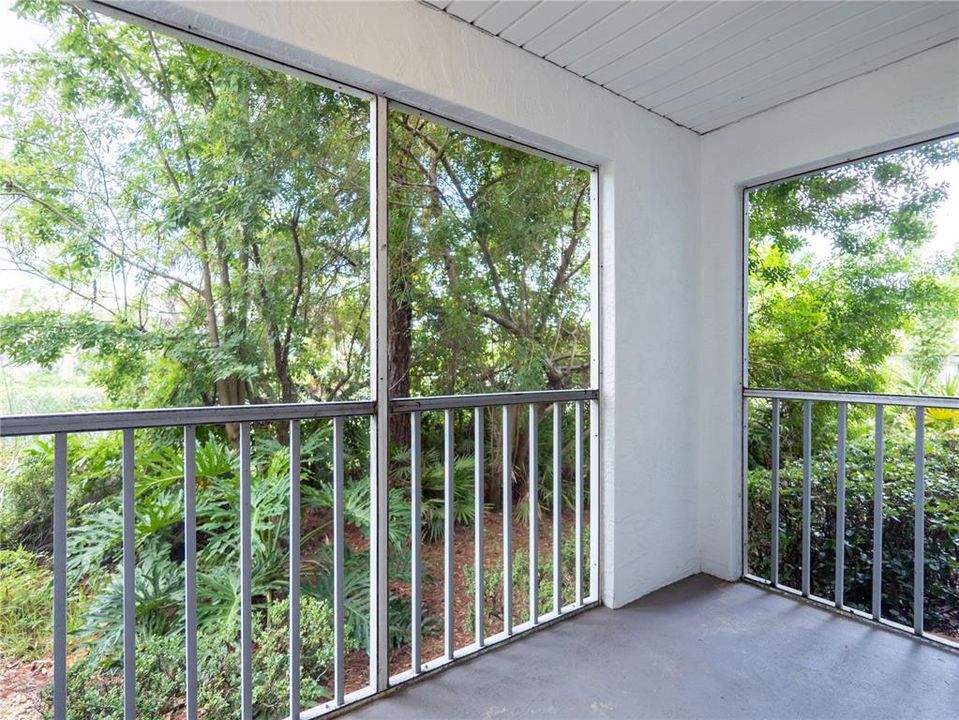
[416, 534]
[579, 502]
[478, 522]
[533, 515]
[774, 499]
[507, 523]
[294, 542]
[557, 506]
[129, 578]
[806, 495]
[448, 537]
[841, 508]
[246, 573]
[189, 568]
[744, 496]
[60, 576]
[919, 525]
[339, 665]
[877, 492]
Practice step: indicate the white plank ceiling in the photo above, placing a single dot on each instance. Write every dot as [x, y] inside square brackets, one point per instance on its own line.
[704, 65]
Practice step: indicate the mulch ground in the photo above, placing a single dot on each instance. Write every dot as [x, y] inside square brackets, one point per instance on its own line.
[432, 643]
[22, 683]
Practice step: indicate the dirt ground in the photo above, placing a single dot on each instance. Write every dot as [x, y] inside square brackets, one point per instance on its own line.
[21, 685]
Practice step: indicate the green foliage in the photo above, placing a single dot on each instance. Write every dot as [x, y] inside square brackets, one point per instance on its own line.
[26, 599]
[433, 500]
[119, 352]
[941, 527]
[492, 593]
[158, 589]
[356, 508]
[433, 504]
[26, 486]
[845, 294]
[833, 323]
[94, 545]
[24, 615]
[356, 592]
[209, 216]
[94, 542]
[205, 223]
[544, 481]
[96, 689]
[271, 673]
[490, 251]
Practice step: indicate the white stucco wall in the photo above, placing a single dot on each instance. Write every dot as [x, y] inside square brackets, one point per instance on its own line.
[912, 100]
[649, 187]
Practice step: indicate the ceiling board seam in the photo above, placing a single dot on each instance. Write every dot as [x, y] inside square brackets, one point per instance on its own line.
[698, 69]
[703, 133]
[692, 40]
[618, 35]
[453, 17]
[521, 16]
[586, 29]
[549, 27]
[656, 37]
[759, 61]
[728, 107]
[484, 13]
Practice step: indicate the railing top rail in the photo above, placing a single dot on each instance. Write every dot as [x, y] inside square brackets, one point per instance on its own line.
[455, 402]
[860, 398]
[46, 424]
[102, 421]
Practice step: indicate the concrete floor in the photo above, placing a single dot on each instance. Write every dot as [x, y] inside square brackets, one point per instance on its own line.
[698, 649]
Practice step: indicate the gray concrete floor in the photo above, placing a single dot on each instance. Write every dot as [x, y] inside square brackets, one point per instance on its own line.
[698, 649]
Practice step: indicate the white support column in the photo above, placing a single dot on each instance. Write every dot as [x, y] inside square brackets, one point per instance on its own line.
[595, 381]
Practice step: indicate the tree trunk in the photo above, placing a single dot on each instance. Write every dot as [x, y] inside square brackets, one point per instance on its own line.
[288, 392]
[400, 351]
[518, 456]
[231, 391]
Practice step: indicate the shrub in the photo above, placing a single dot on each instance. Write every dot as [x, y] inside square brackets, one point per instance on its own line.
[270, 677]
[95, 688]
[26, 487]
[941, 528]
[434, 489]
[25, 610]
[97, 692]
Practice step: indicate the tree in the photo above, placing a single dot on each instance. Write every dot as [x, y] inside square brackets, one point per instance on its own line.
[490, 263]
[208, 220]
[836, 319]
[215, 207]
[832, 323]
[489, 273]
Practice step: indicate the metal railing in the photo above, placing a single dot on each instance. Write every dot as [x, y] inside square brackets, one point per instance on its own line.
[842, 402]
[189, 419]
[479, 404]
